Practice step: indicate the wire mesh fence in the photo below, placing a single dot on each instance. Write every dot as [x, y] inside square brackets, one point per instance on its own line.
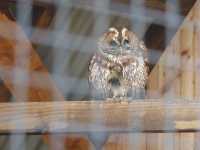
[47, 45]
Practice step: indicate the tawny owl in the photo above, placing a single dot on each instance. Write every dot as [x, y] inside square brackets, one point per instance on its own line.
[119, 67]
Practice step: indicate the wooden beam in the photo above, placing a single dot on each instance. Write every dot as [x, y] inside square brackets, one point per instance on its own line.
[40, 86]
[14, 45]
[92, 116]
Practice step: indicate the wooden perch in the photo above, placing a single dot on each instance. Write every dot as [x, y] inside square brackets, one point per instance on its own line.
[91, 116]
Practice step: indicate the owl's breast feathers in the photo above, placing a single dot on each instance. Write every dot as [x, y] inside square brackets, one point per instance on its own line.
[110, 60]
[133, 68]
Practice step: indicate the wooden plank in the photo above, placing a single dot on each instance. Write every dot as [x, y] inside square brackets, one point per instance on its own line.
[67, 141]
[152, 141]
[186, 141]
[196, 19]
[155, 116]
[181, 70]
[187, 80]
[9, 48]
[122, 141]
[197, 143]
[186, 50]
[160, 141]
[152, 84]
[181, 63]
[177, 141]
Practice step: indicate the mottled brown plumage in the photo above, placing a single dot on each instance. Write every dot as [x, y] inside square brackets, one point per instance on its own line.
[119, 69]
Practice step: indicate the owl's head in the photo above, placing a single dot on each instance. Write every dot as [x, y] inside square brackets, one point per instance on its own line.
[109, 42]
[121, 43]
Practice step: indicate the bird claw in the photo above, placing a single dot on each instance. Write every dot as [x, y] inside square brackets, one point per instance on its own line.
[117, 99]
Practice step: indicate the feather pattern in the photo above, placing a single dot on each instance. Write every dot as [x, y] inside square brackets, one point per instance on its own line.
[117, 74]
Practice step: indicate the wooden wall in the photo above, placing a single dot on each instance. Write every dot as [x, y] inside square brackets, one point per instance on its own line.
[177, 76]
[177, 73]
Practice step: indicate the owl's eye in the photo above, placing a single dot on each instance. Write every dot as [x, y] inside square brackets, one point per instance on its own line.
[113, 43]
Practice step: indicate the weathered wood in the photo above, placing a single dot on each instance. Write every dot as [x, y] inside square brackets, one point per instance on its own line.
[196, 142]
[180, 61]
[196, 19]
[68, 141]
[186, 52]
[160, 141]
[155, 116]
[5, 95]
[187, 141]
[123, 141]
[180, 74]
[16, 52]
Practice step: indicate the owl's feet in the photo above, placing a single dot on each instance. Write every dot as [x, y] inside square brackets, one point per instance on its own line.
[117, 99]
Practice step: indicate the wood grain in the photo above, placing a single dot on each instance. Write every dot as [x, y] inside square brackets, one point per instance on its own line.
[181, 73]
[177, 68]
[133, 141]
[117, 117]
[16, 52]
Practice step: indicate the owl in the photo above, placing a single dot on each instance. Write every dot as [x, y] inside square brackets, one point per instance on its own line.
[119, 68]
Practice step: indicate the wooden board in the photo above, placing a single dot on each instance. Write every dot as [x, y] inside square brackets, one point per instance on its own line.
[40, 86]
[155, 116]
[178, 67]
[17, 58]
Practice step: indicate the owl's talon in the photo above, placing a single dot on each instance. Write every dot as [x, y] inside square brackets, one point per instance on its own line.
[109, 99]
[114, 99]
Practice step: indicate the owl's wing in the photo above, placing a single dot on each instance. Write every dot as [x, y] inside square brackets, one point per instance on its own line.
[135, 76]
[98, 75]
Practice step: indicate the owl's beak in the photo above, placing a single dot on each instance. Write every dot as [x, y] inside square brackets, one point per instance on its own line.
[121, 50]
